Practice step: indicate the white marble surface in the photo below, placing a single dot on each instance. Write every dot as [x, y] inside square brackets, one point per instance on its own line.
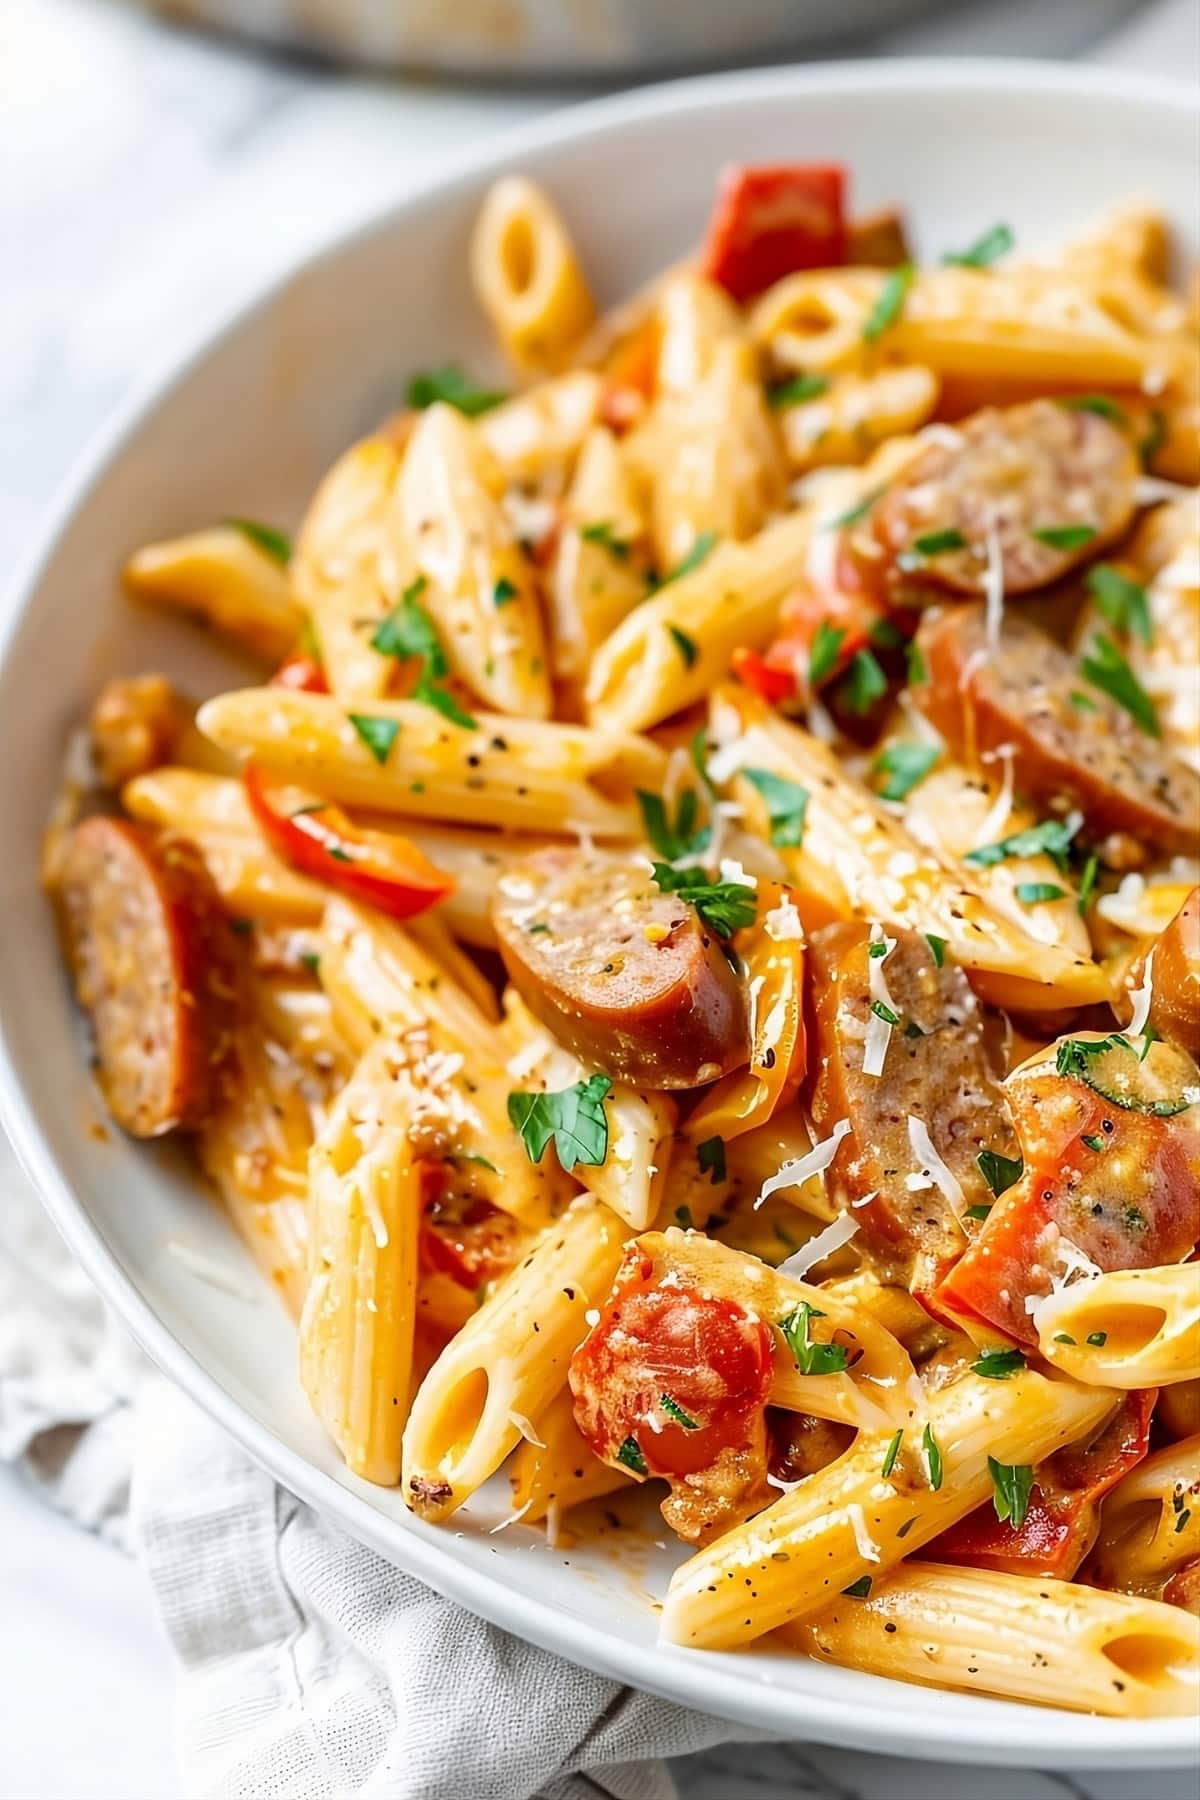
[142, 172]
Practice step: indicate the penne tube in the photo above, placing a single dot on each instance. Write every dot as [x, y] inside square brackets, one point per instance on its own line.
[695, 319]
[855, 414]
[849, 1520]
[433, 932]
[814, 320]
[892, 1307]
[536, 436]
[672, 649]
[526, 274]
[857, 860]
[521, 773]
[478, 587]
[761, 1153]
[356, 1327]
[1053, 1643]
[224, 579]
[351, 564]
[1150, 1522]
[476, 859]
[1125, 1328]
[553, 1468]
[593, 581]
[633, 1176]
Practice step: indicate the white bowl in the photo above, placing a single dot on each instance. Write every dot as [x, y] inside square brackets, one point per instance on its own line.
[246, 424]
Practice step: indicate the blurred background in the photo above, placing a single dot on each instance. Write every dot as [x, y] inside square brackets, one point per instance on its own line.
[157, 159]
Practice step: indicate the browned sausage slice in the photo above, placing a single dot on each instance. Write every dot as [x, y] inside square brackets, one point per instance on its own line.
[938, 1070]
[1175, 978]
[1019, 693]
[1016, 471]
[623, 975]
[151, 955]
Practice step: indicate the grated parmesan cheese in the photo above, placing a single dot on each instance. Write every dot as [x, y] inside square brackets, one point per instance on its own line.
[993, 585]
[819, 1247]
[879, 1032]
[991, 827]
[798, 1169]
[1075, 1267]
[867, 1548]
[513, 1518]
[1142, 998]
[527, 1430]
[1149, 490]
[933, 1165]
[783, 923]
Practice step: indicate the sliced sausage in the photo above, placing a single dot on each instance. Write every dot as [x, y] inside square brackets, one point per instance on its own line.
[623, 975]
[877, 240]
[1175, 977]
[151, 953]
[1018, 693]
[1015, 471]
[938, 1070]
[135, 725]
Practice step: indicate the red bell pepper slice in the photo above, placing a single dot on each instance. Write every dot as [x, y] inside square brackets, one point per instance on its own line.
[770, 682]
[770, 221]
[301, 671]
[1064, 1513]
[630, 378]
[379, 867]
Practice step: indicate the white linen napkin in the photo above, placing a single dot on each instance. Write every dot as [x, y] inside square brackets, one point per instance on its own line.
[307, 1666]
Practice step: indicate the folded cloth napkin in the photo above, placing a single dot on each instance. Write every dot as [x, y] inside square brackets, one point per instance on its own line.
[307, 1666]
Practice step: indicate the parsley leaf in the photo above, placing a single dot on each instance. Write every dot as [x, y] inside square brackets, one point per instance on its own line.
[377, 734]
[724, 906]
[893, 1451]
[1052, 838]
[916, 672]
[865, 682]
[685, 645]
[1097, 1338]
[504, 592]
[574, 1117]
[697, 751]
[890, 304]
[986, 249]
[602, 533]
[674, 1411]
[711, 1155]
[273, 543]
[1096, 403]
[456, 388]
[443, 701]
[630, 1456]
[310, 960]
[796, 390]
[1154, 439]
[787, 804]
[1000, 1172]
[408, 630]
[1087, 883]
[704, 544]
[998, 1365]
[1011, 1485]
[933, 1458]
[683, 838]
[937, 948]
[1064, 537]
[824, 651]
[1108, 670]
[936, 543]
[905, 765]
[1039, 893]
[811, 1358]
[1122, 601]
[857, 512]
[858, 1590]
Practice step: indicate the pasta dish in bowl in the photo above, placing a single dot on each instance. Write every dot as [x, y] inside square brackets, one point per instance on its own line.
[684, 967]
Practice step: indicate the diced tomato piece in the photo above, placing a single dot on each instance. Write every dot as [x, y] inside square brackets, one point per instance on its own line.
[1064, 1504]
[302, 672]
[1121, 1186]
[466, 1237]
[772, 684]
[630, 378]
[770, 221]
[681, 1373]
[379, 867]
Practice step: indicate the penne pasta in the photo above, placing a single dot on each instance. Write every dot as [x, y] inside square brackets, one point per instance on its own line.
[1127, 1328]
[1150, 1522]
[224, 579]
[527, 276]
[553, 1469]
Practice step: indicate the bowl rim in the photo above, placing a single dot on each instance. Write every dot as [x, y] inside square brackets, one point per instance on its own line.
[1020, 1735]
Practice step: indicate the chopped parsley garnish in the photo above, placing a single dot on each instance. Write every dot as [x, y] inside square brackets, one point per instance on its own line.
[1064, 537]
[796, 390]
[892, 1452]
[698, 752]
[1097, 1339]
[504, 592]
[886, 635]
[310, 960]
[1108, 670]
[574, 1117]
[915, 670]
[905, 765]
[273, 543]
[710, 1156]
[890, 304]
[471, 1156]
[858, 1590]
[1183, 1519]
[533, 930]
[704, 544]
[811, 1358]
[824, 651]
[933, 1458]
[937, 948]
[456, 388]
[674, 1411]
[1155, 437]
[443, 701]
[1011, 1485]
[1082, 702]
[724, 906]
[1063, 1337]
[685, 645]
[1093, 1142]
[987, 249]
[1000, 1172]
[1052, 838]
[683, 1218]
[602, 533]
[786, 803]
[998, 1365]
[858, 511]
[865, 682]
[630, 1456]
[408, 631]
[683, 837]
[377, 734]
[937, 543]
[242, 927]
[1096, 403]
[877, 949]
[1039, 893]
[884, 1012]
[1087, 883]
[979, 1212]
[1122, 601]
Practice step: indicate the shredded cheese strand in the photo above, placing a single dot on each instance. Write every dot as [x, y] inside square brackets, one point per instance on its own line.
[798, 1169]
[839, 1232]
[933, 1164]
